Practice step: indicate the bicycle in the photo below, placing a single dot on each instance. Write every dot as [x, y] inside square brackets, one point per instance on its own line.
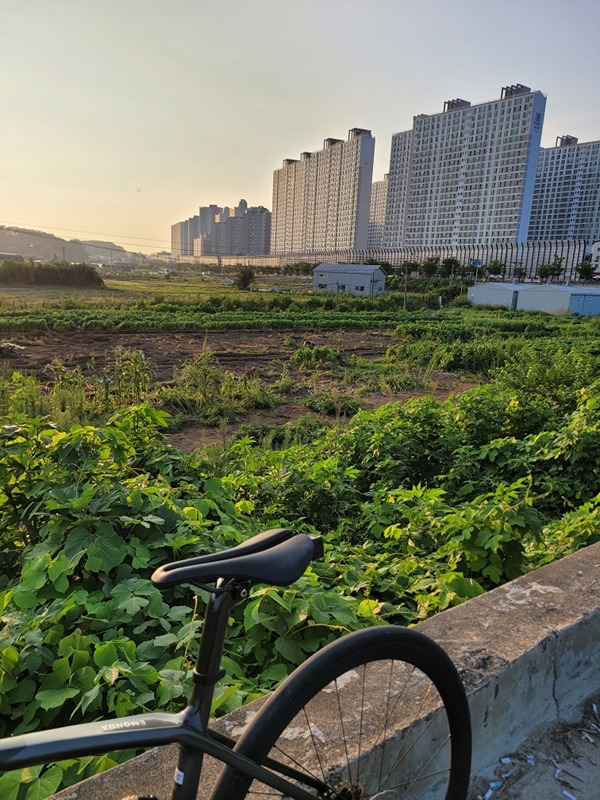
[379, 714]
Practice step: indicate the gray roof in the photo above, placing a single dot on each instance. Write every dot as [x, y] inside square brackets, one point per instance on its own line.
[365, 269]
[543, 287]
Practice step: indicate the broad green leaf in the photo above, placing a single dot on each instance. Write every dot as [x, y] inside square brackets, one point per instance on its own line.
[10, 784]
[89, 698]
[105, 655]
[275, 673]
[222, 695]
[9, 658]
[289, 649]
[54, 698]
[166, 640]
[62, 669]
[46, 784]
[105, 550]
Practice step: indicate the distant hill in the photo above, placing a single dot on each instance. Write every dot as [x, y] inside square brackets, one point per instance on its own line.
[106, 252]
[43, 246]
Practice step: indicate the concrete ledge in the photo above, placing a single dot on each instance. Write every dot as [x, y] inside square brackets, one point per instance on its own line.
[528, 653]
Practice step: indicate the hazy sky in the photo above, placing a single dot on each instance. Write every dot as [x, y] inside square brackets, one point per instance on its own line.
[121, 117]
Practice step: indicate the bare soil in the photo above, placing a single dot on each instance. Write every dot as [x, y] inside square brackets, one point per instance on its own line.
[561, 761]
[236, 351]
[260, 353]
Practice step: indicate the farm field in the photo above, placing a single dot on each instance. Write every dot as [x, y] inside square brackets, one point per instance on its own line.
[265, 356]
[187, 286]
[236, 350]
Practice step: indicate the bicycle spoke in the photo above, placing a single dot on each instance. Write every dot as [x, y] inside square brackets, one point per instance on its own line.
[370, 719]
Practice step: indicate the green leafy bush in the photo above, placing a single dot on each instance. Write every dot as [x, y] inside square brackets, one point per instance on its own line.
[422, 505]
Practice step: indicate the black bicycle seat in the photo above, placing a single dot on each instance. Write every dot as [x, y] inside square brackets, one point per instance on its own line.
[277, 557]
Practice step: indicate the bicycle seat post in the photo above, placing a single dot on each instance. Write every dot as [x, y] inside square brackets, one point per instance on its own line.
[206, 674]
[208, 664]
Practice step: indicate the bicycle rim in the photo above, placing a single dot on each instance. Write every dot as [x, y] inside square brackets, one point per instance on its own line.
[378, 715]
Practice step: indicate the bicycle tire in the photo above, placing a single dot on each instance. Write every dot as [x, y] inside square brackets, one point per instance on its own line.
[400, 668]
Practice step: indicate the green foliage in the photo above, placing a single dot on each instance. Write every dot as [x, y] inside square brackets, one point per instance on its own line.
[201, 388]
[422, 505]
[552, 270]
[495, 267]
[397, 444]
[493, 411]
[332, 403]
[550, 372]
[73, 397]
[585, 271]
[310, 356]
[303, 430]
[244, 278]
[51, 273]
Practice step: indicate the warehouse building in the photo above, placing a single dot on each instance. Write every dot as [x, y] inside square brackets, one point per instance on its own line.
[553, 298]
[364, 280]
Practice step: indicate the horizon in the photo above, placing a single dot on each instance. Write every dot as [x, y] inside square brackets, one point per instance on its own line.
[115, 128]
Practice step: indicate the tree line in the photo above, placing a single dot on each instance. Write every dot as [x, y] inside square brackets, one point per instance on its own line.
[50, 273]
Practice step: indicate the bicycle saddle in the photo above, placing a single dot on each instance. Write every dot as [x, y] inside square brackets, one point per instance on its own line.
[277, 557]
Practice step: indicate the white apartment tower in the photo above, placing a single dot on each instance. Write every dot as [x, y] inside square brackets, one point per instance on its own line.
[466, 175]
[246, 231]
[566, 199]
[184, 233]
[377, 213]
[321, 201]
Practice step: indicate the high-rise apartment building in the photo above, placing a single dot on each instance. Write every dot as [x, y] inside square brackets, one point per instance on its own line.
[566, 198]
[208, 216]
[245, 231]
[466, 175]
[377, 213]
[321, 201]
[184, 233]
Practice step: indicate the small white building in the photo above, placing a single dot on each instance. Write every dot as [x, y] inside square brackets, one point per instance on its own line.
[550, 297]
[363, 280]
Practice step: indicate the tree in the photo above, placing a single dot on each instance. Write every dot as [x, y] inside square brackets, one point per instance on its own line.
[244, 278]
[520, 273]
[495, 267]
[553, 270]
[385, 265]
[408, 267]
[449, 267]
[430, 266]
[585, 271]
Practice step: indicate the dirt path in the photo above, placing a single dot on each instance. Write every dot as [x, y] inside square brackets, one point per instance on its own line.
[560, 763]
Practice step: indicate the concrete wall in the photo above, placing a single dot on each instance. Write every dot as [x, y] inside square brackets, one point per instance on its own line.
[528, 653]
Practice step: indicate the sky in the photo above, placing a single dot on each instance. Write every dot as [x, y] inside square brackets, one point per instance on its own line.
[122, 117]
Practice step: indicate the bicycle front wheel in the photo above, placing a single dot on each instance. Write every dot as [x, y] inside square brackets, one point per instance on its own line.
[380, 714]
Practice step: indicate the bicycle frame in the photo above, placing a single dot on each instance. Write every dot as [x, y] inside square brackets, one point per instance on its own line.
[189, 728]
[145, 730]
